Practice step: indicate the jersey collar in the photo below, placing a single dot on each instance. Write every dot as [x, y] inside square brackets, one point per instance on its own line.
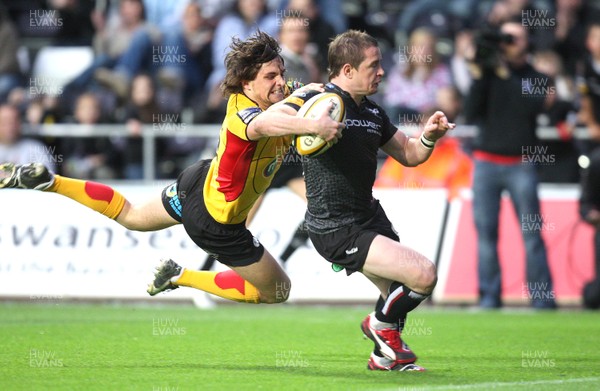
[345, 94]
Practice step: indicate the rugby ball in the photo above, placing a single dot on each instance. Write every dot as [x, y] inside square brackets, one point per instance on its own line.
[310, 144]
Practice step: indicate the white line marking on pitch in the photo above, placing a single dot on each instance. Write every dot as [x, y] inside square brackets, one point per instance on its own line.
[509, 384]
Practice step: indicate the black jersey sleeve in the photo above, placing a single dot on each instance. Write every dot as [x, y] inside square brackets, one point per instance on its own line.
[297, 99]
[388, 129]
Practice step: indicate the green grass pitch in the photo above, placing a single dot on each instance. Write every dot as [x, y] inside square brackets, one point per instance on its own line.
[61, 346]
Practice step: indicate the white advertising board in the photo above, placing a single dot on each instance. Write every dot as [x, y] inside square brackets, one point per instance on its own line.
[52, 247]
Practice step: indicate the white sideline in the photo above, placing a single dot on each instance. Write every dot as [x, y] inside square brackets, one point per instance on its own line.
[507, 384]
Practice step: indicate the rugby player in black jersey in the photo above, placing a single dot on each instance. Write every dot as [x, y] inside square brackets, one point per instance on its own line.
[346, 224]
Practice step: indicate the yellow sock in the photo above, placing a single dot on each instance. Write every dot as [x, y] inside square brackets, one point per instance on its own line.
[228, 285]
[101, 198]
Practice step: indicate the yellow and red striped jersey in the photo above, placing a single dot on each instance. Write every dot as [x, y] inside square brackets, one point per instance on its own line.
[243, 168]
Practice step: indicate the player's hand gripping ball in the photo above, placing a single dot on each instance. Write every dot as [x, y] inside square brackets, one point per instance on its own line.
[310, 144]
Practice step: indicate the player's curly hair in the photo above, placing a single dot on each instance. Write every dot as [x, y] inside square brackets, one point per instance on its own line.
[348, 48]
[245, 59]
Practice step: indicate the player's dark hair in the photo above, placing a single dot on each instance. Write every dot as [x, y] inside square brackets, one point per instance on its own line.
[245, 59]
[348, 48]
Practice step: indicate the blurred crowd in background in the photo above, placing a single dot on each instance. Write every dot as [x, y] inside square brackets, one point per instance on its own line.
[157, 61]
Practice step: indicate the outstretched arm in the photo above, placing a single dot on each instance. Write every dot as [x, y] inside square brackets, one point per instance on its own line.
[410, 151]
[281, 120]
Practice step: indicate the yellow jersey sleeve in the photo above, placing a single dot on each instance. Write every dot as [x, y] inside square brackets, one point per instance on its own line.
[238, 122]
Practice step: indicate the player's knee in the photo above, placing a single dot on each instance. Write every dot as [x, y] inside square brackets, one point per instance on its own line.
[279, 295]
[427, 279]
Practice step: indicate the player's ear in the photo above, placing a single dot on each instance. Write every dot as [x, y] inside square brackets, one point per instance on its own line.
[246, 85]
[348, 71]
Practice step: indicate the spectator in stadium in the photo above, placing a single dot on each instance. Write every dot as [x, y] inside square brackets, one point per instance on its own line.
[449, 101]
[17, 149]
[504, 101]
[333, 13]
[589, 209]
[126, 49]
[75, 27]
[121, 44]
[464, 48]
[166, 15]
[42, 108]
[141, 109]
[418, 74]
[588, 84]
[538, 21]
[10, 72]
[89, 157]
[321, 32]
[212, 198]
[300, 65]
[188, 69]
[346, 224]
[560, 112]
[246, 17]
[569, 33]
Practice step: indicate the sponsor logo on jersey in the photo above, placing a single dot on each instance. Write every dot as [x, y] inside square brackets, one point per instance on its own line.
[353, 250]
[172, 190]
[270, 169]
[299, 94]
[174, 201]
[369, 126]
[363, 123]
[248, 114]
[373, 110]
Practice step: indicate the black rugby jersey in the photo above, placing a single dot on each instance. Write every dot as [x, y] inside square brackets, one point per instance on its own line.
[589, 85]
[339, 182]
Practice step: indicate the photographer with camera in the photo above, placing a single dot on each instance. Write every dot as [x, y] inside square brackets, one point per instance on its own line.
[504, 100]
